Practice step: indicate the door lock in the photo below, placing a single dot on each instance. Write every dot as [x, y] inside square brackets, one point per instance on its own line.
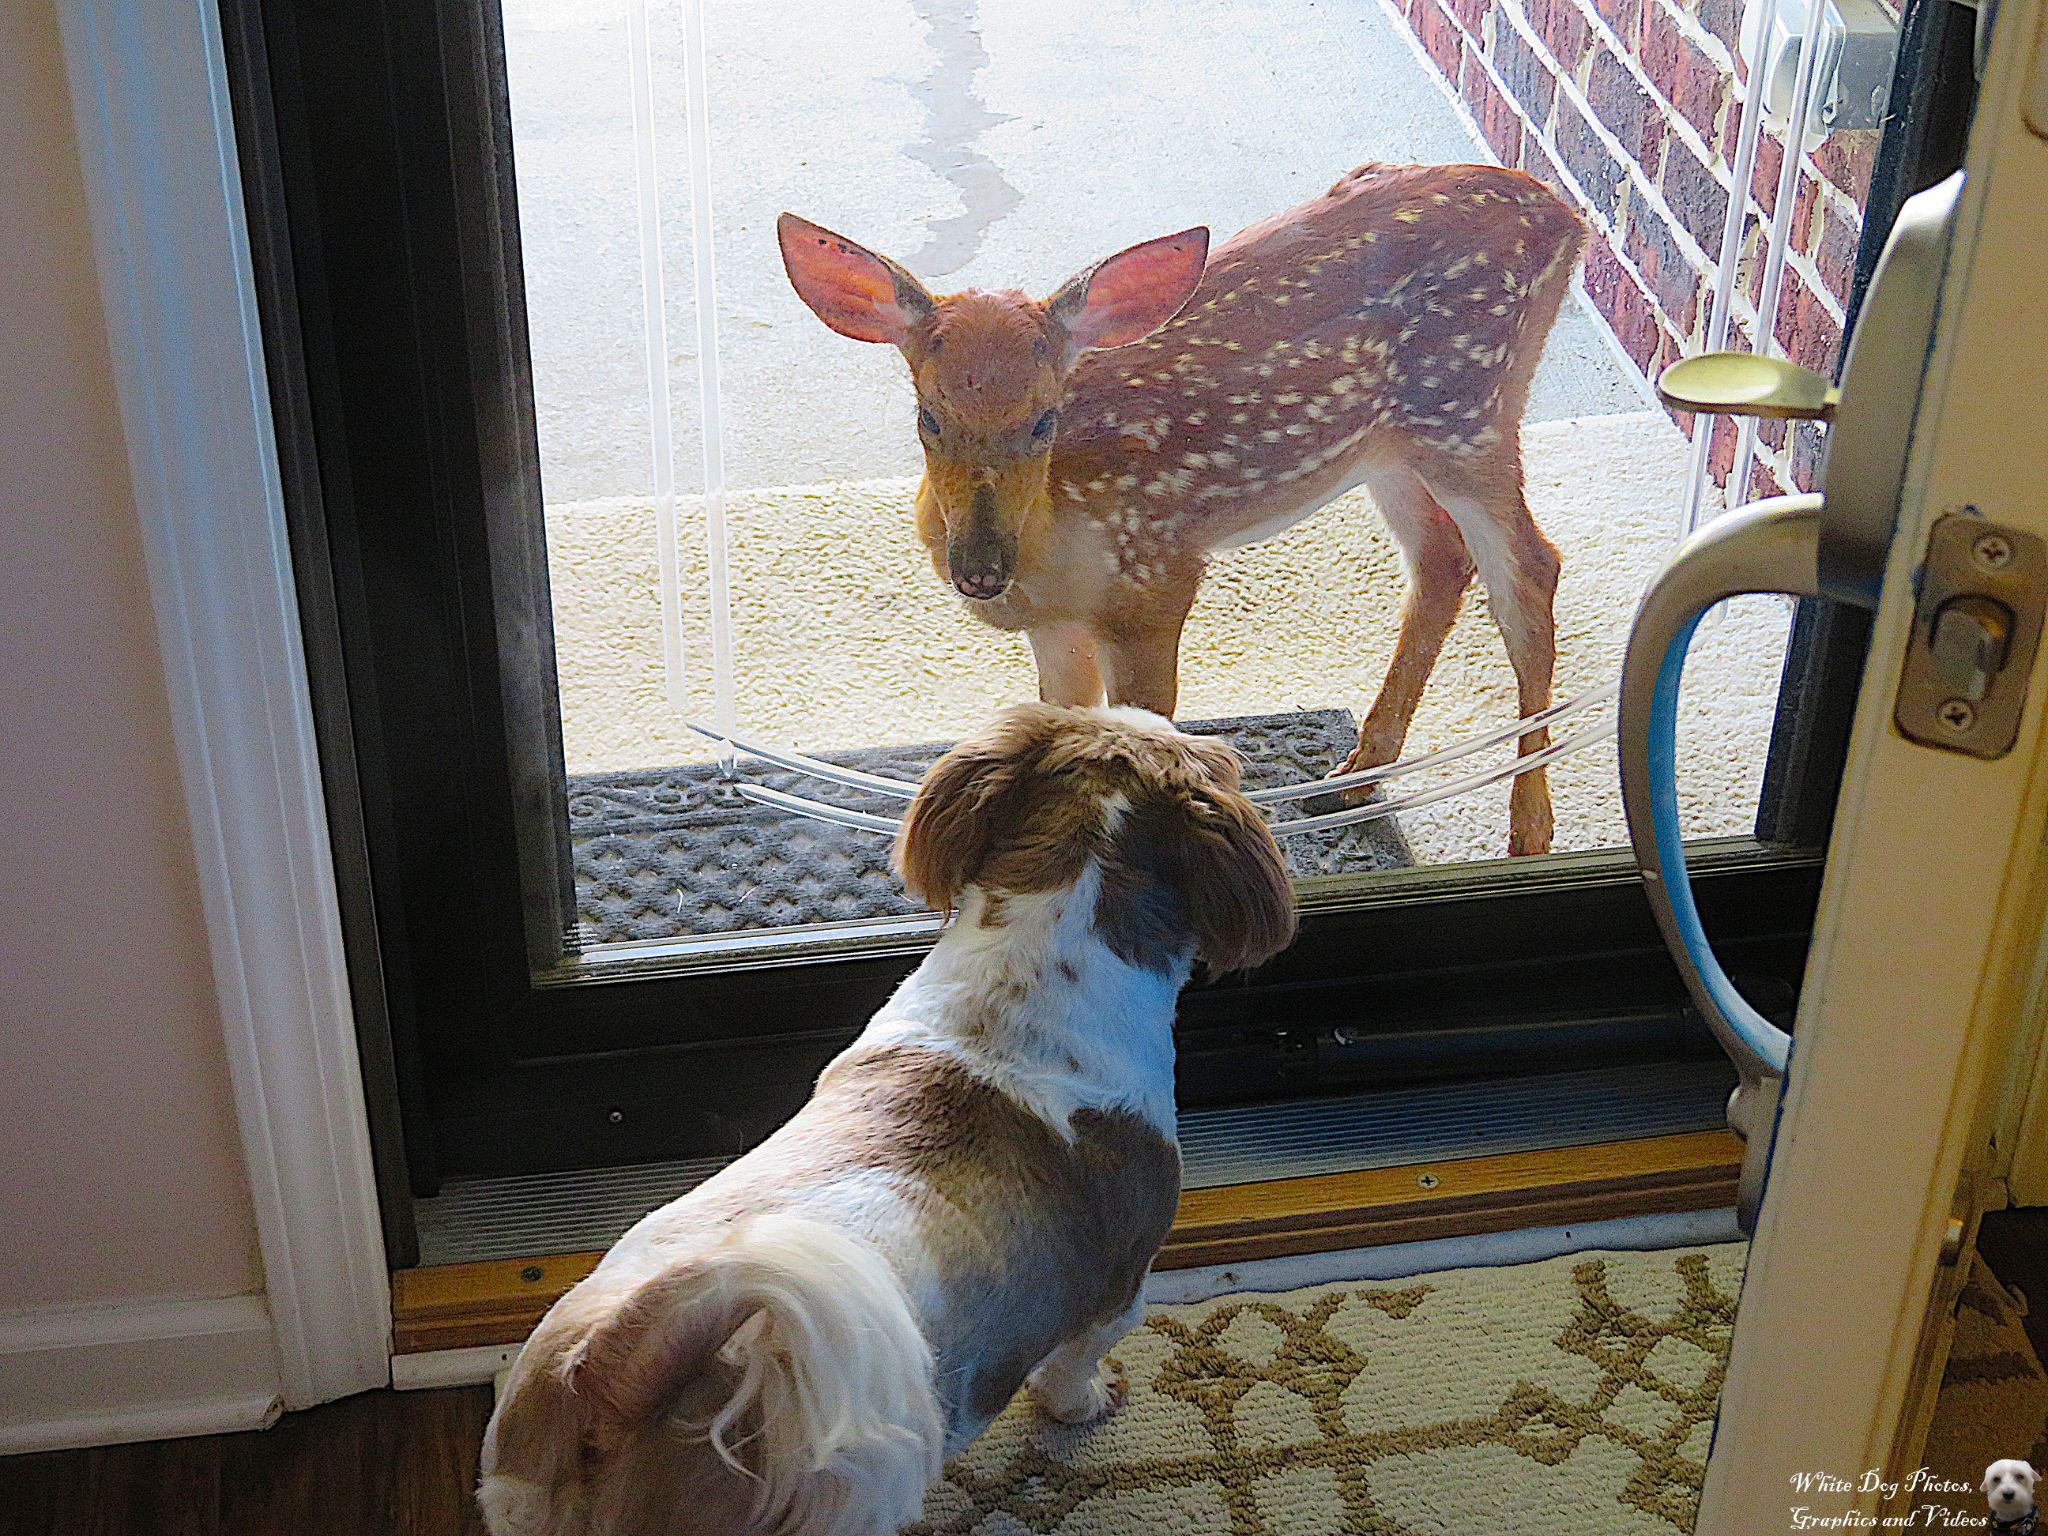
[1975, 628]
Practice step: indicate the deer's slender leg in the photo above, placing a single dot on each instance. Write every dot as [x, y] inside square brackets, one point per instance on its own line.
[1141, 660]
[1068, 672]
[1519, 569]
[1439, 570]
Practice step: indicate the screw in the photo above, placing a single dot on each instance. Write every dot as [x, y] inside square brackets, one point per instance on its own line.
[1957, 714]
[1993, 551]
[530, 1274]
[617, 1117]
[1428, 1180]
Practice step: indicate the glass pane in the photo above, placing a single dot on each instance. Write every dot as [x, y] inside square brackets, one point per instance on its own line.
[1007, 145]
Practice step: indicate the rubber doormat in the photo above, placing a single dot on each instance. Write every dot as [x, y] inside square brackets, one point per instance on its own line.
[665, 852]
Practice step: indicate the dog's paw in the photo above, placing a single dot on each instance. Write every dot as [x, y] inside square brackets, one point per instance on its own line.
[1096, 1397]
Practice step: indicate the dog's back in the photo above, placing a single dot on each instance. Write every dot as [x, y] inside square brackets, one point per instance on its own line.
[775, 1380]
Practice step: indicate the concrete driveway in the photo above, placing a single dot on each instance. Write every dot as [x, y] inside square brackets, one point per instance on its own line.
[1003, 143]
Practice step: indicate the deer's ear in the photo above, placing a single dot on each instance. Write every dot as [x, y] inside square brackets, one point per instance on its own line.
[849, 287]
[1131, 294]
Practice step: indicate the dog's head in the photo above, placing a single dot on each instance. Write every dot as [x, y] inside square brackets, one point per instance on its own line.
[2009, 1488]
[1049, 796]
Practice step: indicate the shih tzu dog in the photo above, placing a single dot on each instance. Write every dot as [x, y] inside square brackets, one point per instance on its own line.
[968, 1203]
[2009, 1491]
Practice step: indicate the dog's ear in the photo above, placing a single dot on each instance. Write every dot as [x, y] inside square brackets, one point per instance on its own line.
[2027, 1471]
[960, 806]
[1239, 900]
[1990, 1477]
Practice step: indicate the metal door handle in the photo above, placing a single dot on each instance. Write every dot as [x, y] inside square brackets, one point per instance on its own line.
[1767, 546]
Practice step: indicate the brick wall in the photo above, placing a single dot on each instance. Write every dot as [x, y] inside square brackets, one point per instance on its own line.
[1630, 109]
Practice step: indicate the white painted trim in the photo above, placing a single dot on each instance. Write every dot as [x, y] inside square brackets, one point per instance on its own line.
[452, 1367]
[146, 1371]
[149, 92]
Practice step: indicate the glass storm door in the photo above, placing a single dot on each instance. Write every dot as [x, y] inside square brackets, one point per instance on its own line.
[754, 652]
[630, 649]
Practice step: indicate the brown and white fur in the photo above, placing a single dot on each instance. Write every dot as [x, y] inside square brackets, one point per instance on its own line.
[968, 1203]
[1086, 454]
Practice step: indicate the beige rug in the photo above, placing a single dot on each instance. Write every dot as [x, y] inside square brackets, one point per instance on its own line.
[846, 638]
[1575, 1395]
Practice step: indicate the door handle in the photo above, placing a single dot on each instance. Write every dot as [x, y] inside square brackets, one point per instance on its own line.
[1767, 546]
[1833, 544]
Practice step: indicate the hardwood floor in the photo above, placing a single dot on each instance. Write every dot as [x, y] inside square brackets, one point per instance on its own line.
[382, 1464]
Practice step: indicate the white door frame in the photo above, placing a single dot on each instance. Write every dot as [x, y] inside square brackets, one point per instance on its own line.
[1930, 917]
[157, 143]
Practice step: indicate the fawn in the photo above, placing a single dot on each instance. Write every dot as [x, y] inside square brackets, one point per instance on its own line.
[1084, 454]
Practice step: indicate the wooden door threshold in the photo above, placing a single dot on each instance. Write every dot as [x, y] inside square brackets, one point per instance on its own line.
[462, 1306]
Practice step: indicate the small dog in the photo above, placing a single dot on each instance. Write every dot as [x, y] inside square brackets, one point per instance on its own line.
[971, 1198]
[2009, 1490]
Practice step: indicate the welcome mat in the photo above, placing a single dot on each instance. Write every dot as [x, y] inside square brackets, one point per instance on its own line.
[670, 851]
[1571, 1397]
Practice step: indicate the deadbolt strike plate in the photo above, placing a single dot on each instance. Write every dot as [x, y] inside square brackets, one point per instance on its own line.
[1976, 624]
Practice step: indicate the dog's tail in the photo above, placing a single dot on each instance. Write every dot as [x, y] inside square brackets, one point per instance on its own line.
[832, 1409]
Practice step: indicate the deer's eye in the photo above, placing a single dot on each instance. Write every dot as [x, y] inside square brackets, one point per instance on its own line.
[1042, 428]
[927, 422]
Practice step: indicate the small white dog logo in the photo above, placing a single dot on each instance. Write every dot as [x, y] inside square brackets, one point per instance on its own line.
[2009, 1490]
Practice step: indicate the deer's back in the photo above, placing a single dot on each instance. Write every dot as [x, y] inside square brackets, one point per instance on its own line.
[1406, 303]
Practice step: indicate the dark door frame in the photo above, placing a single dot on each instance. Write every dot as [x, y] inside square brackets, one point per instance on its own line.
[378, 175]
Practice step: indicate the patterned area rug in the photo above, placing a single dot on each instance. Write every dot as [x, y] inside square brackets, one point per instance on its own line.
[1576, 1395]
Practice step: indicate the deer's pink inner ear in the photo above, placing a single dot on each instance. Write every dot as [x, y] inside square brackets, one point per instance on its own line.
[1133, 293]
[847, 286]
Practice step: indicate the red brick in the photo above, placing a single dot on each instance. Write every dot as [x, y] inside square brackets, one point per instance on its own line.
[1846, 159]
[1840, 237]
[1539, 164]
[1655, 251]
[1625, 17]
[1589, 160]
[1723, 18]
[1700, 201]
[1680, 69]
[1808, 333]
[1619, 99]
[1526, 76]
[1764, 172]
[1721, 450]
[1470, 14]
[1669, 351]
[1809, 440]
[1623, 305]
[1806, 214]
[1763, 480]
[1498, 121]
[1564, 30]
[1440, 37]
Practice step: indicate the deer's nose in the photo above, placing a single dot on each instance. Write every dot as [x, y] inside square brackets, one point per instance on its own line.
[981, 585]
[977, 556]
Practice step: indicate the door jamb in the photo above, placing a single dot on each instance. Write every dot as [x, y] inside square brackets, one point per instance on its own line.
[158, 151]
